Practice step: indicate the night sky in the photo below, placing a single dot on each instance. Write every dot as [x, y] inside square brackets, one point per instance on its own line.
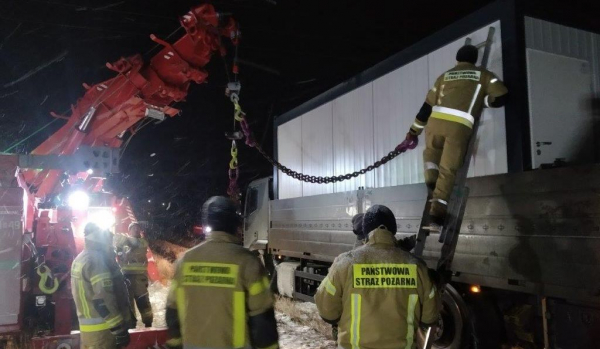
[290, 52]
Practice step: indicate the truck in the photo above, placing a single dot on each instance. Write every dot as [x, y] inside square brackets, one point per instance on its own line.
[526, 268]
[48, 195]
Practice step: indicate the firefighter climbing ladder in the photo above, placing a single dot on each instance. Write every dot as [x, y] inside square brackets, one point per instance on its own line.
[458, 200]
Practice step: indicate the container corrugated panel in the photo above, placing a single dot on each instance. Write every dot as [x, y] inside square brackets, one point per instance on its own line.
[562, 40]
[289, 152]
[397, 98]
[353, 137]
[387, 107]
[317, 148]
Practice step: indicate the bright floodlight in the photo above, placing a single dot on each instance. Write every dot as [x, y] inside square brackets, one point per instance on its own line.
[90, 171]
[207, 229]
[79, 200]
[104, 219]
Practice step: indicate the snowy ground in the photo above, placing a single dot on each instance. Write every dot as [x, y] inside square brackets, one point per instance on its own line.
[299, 326]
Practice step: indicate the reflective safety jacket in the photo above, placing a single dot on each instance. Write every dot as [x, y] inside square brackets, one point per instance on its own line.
[131, 254]
[222, 297]
[99, 291]
[460, 94]
[379, 294]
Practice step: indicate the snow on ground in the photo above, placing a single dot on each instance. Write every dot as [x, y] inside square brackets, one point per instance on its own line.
[295, 336]
[298, 323]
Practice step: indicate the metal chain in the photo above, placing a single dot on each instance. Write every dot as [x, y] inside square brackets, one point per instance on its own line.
[333, 179]
[241, 117]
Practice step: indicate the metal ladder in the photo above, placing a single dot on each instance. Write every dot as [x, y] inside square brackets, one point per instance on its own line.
[458, 200]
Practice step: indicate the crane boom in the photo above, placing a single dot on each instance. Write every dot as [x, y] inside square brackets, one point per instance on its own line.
[139, 90]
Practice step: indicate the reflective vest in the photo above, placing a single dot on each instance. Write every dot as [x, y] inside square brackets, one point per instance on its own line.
[217, 286]
[131, 254]
[379, 293]
[99, 292]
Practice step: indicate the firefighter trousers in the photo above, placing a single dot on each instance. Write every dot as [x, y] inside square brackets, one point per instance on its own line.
[137, 287]
[97, 340]
[446, 143]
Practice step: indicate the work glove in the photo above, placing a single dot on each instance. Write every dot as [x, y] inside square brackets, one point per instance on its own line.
[408, 243]
[121, 336]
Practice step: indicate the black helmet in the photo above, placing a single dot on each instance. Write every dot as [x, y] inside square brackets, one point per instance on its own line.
[220, 213]
[357, 225]
[377, 216]
[467, 53]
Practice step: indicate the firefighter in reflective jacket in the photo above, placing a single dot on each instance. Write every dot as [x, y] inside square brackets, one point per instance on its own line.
[378, 293]
[220, 296]
[451, 106]
[131, 254]
[99, 293]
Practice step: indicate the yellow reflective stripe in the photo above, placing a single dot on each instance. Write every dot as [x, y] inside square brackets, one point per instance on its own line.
[432, 293]
[181, 307]
[99, 277]
[85, 309]
[272, 346]
[94, 328]
[355, 324]
[448, 117]
[329, 287]
[174, 342]
[112, 322]
[256, 288]
[239, 319]
[410, 320]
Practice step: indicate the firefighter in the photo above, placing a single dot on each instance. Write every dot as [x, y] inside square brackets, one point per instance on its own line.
[220, 295]
[99, 293]
[378, 287]
[361, 239]
[131, 254]
[455, 101]
[407, 243]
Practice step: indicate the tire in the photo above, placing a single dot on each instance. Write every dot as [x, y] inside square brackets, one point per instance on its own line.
[454, 329]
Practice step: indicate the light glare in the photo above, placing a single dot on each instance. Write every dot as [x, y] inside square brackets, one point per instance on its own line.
[79, 200]
[104, 219]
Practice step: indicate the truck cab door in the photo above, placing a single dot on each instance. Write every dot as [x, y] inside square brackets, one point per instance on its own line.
[256, 214]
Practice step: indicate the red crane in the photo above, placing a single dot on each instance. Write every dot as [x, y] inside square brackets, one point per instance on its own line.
[34, 271]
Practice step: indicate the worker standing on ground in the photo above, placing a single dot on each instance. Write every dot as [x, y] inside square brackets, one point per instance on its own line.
[220, 295]
[98, 293]
[448, 114]
[131, 254]
[378, 293]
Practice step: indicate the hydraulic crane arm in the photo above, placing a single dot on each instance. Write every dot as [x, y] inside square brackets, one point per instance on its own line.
[140, 89]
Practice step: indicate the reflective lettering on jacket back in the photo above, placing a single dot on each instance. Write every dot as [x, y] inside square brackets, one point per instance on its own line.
[384, 276]
[454, 75]
[210, 274]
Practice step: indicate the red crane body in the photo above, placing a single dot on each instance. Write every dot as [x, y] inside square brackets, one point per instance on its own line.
[44, 237]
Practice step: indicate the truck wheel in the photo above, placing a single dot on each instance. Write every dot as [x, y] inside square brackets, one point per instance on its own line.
[453, 330]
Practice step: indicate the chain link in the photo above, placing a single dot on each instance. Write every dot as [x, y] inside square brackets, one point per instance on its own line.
[332, 179]
[241, 117]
